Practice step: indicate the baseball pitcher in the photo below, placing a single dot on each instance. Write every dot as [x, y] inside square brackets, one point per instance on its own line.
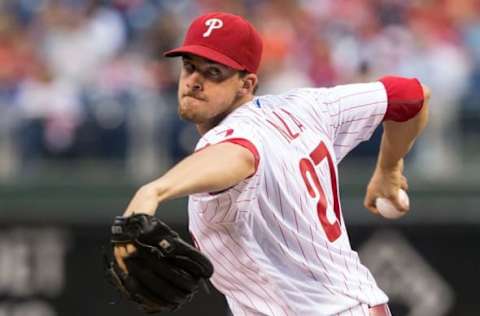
[264, 198]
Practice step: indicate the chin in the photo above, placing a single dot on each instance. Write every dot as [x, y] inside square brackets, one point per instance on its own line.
[188, 111]
[189, 115]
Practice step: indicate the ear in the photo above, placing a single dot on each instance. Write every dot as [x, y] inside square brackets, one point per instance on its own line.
[249, 84]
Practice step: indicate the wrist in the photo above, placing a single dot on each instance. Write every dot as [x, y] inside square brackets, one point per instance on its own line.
[388, 158]
[148, 191]
[159, 190]
[145, 201]
[389, 165]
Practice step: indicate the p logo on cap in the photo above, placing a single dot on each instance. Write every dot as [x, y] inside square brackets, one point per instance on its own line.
[212, 24]
[223, 38]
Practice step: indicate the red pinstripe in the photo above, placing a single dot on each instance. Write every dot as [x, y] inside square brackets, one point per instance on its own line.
[217, 205]
[246, 200]
[298, 241]
[346, 266]
[203, 209]
[253, 261]
[368, 278]
[369, 293]
[355, 132]
[333, 262]
[347, 145]
[236, 190]
[229, 208]
[241, 263]
[357, 120]
[219, 263]
[323, 264]
[352, 95]
[280, 246]
[281, 211]
[354, 107]
[276, 221]
[233, 255]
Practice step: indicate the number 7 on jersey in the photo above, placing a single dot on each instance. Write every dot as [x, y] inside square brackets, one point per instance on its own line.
[315, 190]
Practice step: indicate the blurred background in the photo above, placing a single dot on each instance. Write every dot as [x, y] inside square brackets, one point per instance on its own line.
[88, 113]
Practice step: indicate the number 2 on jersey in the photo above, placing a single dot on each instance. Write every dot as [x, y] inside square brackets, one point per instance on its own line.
[307, 168]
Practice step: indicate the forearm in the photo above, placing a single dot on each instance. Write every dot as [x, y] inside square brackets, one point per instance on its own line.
[215, 168]
[399, 137]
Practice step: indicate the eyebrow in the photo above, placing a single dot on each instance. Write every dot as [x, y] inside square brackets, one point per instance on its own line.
[207, 61]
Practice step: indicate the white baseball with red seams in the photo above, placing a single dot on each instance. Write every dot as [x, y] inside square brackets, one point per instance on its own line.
[277, 239]
[388, 210]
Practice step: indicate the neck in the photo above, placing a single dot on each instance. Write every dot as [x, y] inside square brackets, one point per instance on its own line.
[203, 128]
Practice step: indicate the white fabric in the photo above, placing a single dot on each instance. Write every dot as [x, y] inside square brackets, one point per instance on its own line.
[270, 251]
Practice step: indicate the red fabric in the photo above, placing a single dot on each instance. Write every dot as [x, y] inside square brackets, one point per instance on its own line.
[248, 145]
[405, 98]
[223, 38]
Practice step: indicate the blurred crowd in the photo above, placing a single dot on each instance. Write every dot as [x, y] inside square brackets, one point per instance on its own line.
[86, 79]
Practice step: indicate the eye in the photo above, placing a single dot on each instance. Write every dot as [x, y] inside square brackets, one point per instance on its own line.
[214, 73]
[188, 67]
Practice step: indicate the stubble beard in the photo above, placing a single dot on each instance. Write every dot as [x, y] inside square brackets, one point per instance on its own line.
[185, 113]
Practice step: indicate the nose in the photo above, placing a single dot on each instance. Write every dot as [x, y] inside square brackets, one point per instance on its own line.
[195, 87]
[194, 82]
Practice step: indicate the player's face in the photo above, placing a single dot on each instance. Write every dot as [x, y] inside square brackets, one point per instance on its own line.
[207, 91]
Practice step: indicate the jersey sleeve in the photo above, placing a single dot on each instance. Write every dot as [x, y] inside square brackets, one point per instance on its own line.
[350, 112]
[223, 206]
[235, 133]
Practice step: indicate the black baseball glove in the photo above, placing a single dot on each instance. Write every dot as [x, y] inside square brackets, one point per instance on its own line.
[164, 272]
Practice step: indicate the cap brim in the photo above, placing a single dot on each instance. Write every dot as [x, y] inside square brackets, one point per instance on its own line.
[204, 52]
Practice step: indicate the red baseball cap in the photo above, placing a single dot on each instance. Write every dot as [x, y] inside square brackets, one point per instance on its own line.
[223, 38]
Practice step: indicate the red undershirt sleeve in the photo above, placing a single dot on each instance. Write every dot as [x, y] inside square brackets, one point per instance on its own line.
[405, 98]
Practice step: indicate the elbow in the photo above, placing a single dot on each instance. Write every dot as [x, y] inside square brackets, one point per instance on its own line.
[426, 98]
[426, 92]
[423, 114]
[424, 111]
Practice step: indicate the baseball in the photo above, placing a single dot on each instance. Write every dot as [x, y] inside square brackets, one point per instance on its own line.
[388, 210]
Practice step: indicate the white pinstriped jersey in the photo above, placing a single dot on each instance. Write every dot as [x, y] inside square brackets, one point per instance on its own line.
[277, 239]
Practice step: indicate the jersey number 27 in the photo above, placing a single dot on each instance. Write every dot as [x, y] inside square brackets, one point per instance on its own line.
[315, 190]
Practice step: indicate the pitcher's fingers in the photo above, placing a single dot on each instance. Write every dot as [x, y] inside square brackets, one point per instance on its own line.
[369, 203]
[130, 249]
[120, 252]
[402, 165]
[399, 206]
[404, 183]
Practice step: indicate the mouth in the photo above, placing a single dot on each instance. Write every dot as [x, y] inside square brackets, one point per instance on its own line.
[193, 97]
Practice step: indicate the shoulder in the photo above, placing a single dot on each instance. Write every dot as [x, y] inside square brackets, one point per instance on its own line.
[307, 96]
[240, 124]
